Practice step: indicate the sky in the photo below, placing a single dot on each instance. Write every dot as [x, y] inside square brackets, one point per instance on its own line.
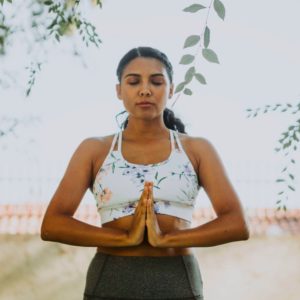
[74, 98]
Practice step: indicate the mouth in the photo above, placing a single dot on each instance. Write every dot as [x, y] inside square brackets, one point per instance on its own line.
[144, 104]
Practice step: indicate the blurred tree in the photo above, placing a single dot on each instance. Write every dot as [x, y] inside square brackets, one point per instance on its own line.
[288, 146]
[38, 23]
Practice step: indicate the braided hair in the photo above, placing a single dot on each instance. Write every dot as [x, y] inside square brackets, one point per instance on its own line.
[169, 117]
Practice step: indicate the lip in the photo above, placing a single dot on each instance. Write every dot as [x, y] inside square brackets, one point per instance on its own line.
[145, 104]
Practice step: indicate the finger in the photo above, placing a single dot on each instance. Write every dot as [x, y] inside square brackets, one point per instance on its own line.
[150, 197]
[149, 208]
[151, 191]
[144, 194]
[141, 205]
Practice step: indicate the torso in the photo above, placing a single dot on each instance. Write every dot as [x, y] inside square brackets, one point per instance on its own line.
[155, 151]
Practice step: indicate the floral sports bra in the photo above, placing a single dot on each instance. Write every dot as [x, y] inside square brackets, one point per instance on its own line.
[119, 184]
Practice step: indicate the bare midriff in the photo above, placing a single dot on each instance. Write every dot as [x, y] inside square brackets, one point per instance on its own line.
[166, 224]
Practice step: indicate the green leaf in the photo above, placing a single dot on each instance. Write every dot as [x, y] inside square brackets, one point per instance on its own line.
[194, 8]
[295, 137]
[189, 75]
[206, 36]
[280, 180]
[28, 92]
[285, 134]
[292, 176]
[192, 40]
[48, 2]
[284, 169]
[291, 188]
[210, 55]
[280, 193]
[219, 8]
[200, 78]
[293, 161]
[179, 87]
[187, 59]
[99, 3]
[156, 174]
[188, 92]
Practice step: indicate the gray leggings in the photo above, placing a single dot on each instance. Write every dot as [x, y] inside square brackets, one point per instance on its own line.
[143, 277]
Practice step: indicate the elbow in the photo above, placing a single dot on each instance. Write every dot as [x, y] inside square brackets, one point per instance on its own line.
[46, 231]
[245, 234]
[240, 228]
[244, 231]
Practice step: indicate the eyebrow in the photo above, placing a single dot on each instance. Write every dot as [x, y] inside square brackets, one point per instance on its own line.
[138, 75]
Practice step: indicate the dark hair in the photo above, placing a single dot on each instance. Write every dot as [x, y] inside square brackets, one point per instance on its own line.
[169, 118]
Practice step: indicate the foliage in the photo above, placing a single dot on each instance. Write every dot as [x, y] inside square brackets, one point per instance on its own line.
[45, 22]
[201, 42]
[289, 143]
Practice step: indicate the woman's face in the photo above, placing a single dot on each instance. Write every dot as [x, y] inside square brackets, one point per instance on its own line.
[144, 80]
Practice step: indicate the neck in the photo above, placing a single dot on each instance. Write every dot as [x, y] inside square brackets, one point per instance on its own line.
[147, 129]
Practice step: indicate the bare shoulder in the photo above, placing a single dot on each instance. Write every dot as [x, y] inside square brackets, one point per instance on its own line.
[95, 146]
[96, 149]
[192, 139]
[199, 147]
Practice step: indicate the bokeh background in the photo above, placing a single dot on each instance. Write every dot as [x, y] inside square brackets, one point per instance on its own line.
[74, 98]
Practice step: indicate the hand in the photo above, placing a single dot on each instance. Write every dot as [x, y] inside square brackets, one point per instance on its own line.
[155, 236]
[136, 233]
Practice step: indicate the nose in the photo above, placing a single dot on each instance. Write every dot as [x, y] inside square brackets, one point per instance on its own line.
[145, 91]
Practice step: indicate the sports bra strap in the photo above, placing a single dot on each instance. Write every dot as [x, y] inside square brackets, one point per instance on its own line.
[113, 143]
[119, 140]
[178, 141]
[172, 140]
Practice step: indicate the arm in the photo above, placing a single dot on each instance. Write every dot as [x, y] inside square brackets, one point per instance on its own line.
[230, 224]
[58, 223]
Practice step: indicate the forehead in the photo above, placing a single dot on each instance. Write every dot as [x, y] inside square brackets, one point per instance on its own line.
[144, 65]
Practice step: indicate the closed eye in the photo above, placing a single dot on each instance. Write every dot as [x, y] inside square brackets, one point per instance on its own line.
[136, 82]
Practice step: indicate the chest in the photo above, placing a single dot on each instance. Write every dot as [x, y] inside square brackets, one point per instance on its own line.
[146, 154]
[155, 152]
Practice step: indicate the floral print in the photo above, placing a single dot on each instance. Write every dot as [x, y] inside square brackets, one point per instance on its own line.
[119, 184]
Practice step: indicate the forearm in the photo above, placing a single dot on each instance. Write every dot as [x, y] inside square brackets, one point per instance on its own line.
[224, 229]
[67, 230]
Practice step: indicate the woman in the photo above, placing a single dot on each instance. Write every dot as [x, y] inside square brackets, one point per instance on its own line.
[145, 194]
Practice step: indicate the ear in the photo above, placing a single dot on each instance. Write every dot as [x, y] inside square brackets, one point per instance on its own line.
[118, 90]
[171, 91]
